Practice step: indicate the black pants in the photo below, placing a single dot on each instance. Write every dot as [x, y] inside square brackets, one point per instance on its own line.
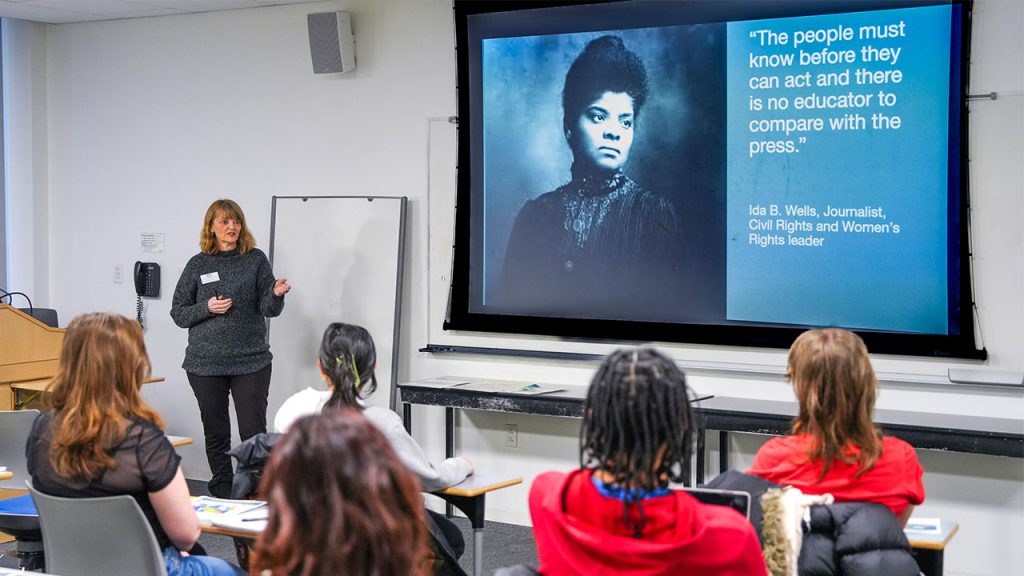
[249, 392]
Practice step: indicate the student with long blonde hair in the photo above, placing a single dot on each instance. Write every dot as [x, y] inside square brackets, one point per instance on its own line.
[835, 447]
[99, 438]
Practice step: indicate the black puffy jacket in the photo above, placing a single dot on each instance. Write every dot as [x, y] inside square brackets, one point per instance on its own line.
[855, 539]
[846, 539]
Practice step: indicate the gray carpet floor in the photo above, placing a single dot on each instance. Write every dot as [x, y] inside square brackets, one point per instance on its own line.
[504, 544]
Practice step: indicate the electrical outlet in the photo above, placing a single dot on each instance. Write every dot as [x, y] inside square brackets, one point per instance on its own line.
[511, 436]
[118, 274]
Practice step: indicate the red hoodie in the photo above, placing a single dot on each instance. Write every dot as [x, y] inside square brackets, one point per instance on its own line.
[580, 531]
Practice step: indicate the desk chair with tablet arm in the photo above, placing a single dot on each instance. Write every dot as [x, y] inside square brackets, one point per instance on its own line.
[106, 536]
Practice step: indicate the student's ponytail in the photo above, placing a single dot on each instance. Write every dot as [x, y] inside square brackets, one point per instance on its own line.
[348, 359]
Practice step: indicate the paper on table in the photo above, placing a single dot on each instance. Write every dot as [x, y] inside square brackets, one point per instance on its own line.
[441, 382]
[252, 521]
[924, 525]
[511, 387]
[209, 508]
[532, 389]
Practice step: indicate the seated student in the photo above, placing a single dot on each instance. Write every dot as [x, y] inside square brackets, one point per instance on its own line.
[347, 360]
[99, 438]
[616, 513]
[360, 513]
[835, 447]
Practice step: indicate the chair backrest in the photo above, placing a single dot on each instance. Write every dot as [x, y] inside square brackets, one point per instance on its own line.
[47, 316]
[15, 426]
[106, 536]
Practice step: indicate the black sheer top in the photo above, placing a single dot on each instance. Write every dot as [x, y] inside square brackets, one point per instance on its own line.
[146, 462]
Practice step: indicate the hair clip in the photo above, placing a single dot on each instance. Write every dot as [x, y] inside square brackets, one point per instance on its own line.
[355, 372]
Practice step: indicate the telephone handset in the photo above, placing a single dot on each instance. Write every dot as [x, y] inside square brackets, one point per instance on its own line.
[147, 279]
[147, 284]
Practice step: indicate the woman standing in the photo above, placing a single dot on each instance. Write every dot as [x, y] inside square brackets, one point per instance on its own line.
[99, 438]
[223, 297]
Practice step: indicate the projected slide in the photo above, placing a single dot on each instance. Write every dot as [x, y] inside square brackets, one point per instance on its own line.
[838, 152]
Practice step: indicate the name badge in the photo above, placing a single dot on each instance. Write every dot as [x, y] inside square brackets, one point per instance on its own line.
[211, 277]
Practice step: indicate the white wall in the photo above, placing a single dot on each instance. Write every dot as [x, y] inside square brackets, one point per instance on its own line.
[138, 124]
[25, 175]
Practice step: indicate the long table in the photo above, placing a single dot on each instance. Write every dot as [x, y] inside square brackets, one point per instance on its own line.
[566, 403]
[947, 432]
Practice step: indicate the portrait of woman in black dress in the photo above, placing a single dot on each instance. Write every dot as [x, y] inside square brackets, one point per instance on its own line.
[601, 238]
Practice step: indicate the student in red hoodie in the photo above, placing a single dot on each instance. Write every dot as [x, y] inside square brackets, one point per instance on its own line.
[616, 513]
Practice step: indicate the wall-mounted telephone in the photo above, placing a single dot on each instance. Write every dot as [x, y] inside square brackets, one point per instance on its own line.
[147, 283]
[147, 279]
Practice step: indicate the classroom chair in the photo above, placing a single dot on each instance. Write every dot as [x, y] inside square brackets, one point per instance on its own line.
[106, 536]
[17, 514]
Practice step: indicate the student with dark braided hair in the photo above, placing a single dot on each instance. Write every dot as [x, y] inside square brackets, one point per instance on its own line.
[616, 513]
[347, 361]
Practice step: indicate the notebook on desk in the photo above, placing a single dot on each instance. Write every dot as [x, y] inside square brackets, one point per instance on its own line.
[254, 521]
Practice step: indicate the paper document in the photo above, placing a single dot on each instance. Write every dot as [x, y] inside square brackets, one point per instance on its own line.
[209, 508]
[511, 387]
[440, 382]
[252, 521]
[923, 526]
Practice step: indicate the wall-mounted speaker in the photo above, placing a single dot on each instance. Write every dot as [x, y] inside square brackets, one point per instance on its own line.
[331, 43]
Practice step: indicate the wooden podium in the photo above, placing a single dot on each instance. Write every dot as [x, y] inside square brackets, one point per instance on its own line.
[29, 350]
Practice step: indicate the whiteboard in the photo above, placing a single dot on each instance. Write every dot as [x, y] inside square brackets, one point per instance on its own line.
[343, 257]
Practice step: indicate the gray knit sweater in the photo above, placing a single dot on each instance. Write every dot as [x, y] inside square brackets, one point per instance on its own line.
[235, 342]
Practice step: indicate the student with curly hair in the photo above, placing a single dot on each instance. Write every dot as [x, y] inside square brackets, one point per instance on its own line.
[835, 447]
[341, 502]
[616, 514]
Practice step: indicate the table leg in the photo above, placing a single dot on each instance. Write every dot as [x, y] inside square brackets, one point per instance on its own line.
[700, 455]
[242, 546]
[929, 561]
[449, 445]
[407, 417]
[723, 451]
[473, 507]
[478, 551]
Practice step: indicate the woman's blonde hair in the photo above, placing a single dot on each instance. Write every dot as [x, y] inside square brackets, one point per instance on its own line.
[835, 386]
[231, 209]
[95, 393]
